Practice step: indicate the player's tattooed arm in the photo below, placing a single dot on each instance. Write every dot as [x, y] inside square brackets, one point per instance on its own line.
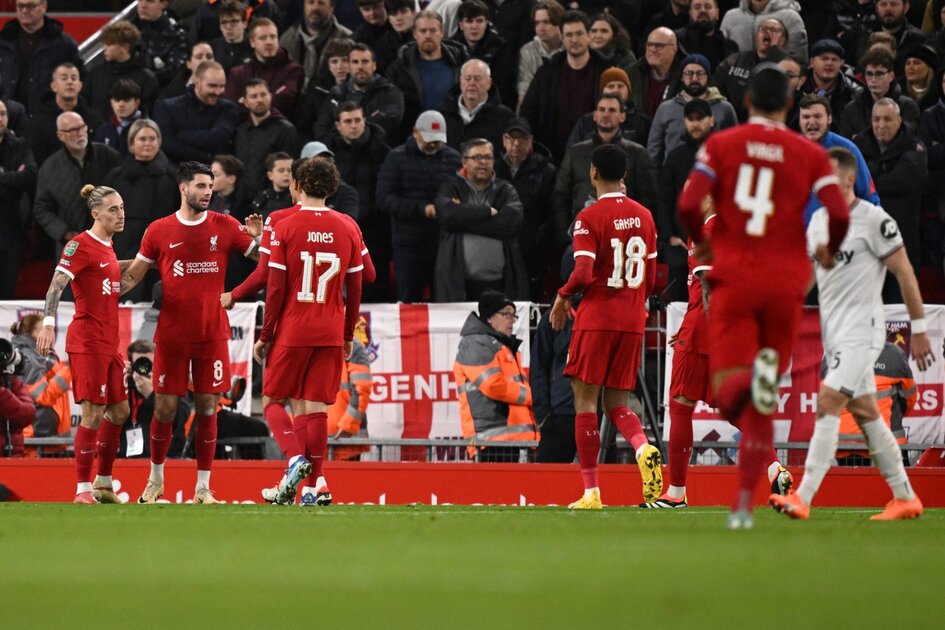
[47, 334]
[704, 283]
[132, 274]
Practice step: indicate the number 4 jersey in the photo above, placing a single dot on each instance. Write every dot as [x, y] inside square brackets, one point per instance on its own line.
[620, 236]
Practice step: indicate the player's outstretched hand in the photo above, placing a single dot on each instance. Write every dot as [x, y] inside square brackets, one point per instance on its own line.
[702, 252]
[226, 300]
[560, 311]
[824, 257]
[254, 225]
[45, 340]
[261, 349]
[922, 351]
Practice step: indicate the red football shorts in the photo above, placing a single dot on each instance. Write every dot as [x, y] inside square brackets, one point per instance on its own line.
[743, 320]
[691, 376]
[304, 373]
[605, 358]
[207, 363]
[98, 378]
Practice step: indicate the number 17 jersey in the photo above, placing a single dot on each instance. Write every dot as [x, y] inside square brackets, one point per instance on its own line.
[620, 236]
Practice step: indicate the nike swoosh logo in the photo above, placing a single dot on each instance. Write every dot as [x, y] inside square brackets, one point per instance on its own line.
[173, 245]
[85, 452]
[103, 264]
[217, 384]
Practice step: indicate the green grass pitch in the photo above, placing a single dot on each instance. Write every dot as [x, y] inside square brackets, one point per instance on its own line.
[252, 566]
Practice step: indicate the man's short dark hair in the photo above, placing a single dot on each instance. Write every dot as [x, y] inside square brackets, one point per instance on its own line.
[612, 95]
[610, 161]
[232, 8]
[68, 65]
[187, 171]
[469, 145]
[125, 90]
[553, 8]
[338, 47]
[812, 100]
[769, 88]
[319, 177]
[230, 164]
[846, 161]
[395, 6]
[256, 82]
[470, 9]
[362, 47]
[347, 106]
[140, 346]
[878, 57]
[574, 17]
[272, 158]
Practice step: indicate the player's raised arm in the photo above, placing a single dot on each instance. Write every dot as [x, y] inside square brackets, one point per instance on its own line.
[47, 334]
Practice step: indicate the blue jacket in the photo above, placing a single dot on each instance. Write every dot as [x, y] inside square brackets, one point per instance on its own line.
[551, 389]
[192, 130]
[863, 187]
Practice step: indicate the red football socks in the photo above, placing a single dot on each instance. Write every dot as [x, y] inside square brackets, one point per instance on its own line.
[754, 454]
[205, 442]
[282, 430]
[628, 423]
[106, 446]
[734, 394]
[316, 442]
[587, 437]
[680, 442]
[160, 440]
[84, 447]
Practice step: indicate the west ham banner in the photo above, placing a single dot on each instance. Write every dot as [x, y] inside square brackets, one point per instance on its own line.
[797, 400]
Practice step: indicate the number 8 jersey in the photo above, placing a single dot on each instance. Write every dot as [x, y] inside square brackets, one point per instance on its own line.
[620, 236]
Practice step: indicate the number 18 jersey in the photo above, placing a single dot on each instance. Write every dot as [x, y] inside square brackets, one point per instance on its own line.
[620, 236]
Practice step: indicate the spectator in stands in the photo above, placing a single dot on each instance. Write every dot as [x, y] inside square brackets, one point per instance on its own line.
[656, 76]
[347, 417]
[527, 165]
[426, 69]
[937, 40]
[123, 60]
[920, 80]
[184, 78]
[636, 125]
[825, 76]
[511, 19]
[207, 25]
[668, 128]
[47, 378]
[228, 197]
[64, 96]
[740, 23]
[899, 165]
[573, 188]
[479, 217]
[673, 17]
[199, 124]
[481, 41]
[375, 25]
[125, 103]
[269, 62]
[892, 19]
[473, 109]
[879, 73]
[31, 46]
[850, 18]
[611, 41]
[381, 100]
[406, 187]
[17, 182]
[147, 184]
[134, 436]
[164, 40]
[58, 209]
[731, 76]
[699, 123]
[702, 36]
[345, 199]
[565, 87]
[276, 195]
[400, 15]
[231, 47]
[305, 41]
[494, 398]
[796, 78]
[17, 410]
[266, 131]
[546, 16]
[335, 59]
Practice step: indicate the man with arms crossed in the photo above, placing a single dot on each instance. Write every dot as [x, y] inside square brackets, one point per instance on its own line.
[759, 176]
[190, 249]
[614, 266]
[98, 369]
[854, 331]
[315, 276]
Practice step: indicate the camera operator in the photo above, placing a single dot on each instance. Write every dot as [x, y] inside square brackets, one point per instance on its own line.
[134, 441]
[17, 410]
[47, 378]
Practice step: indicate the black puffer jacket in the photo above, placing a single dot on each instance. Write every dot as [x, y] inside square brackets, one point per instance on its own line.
[535, 182]
[15, 185]
[165, 45]
[252, 143]
[192, 130]
[41, 130]
[496, 53]
[54, 48]
[359, 163]
[97, 85]
[489, 122]
[407, 182]
[149, 190]
[382, 102]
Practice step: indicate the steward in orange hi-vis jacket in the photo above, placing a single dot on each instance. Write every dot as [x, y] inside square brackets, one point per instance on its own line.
[347, 417]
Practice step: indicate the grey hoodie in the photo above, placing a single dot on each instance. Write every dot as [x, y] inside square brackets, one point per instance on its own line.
[740, 25]
[668, 127]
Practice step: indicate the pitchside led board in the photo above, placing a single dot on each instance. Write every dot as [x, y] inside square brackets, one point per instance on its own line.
[411, 348]
[797, 400]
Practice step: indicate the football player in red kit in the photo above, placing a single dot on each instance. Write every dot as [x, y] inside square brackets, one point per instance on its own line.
[190, 249]
[98, 381]
[759, 176]
[614, 266]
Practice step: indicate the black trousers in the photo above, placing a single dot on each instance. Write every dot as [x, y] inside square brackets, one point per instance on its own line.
[557, 444]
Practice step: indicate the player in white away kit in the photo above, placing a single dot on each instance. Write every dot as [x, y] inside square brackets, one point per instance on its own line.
[854, 330]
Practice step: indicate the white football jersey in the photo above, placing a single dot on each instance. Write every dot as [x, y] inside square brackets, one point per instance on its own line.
[851, 303]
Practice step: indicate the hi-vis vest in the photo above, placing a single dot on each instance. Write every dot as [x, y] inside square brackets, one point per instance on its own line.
[896, 394]
[495, 400]
[349, 411]
[52, 391]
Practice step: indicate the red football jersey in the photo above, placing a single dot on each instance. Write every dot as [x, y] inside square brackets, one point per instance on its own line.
[191, 257]
[93, 269]
[763, 175]
[620, 236]
[271, 221]
[316, 247]
[692, 332]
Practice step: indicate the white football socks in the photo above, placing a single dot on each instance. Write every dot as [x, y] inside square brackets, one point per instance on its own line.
[677, 493]
[820, 454]
[157, 473]
[85, 486]
[774, 468]
[888, 458]
[102, 481]
[203, 479]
